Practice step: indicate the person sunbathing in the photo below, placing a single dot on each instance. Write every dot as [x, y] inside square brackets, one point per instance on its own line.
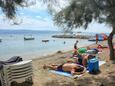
[101, 46]
[83, 59]
[72, 68]
[80, 58]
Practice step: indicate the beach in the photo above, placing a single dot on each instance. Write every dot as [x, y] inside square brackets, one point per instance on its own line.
[55, 51]
[43, 77]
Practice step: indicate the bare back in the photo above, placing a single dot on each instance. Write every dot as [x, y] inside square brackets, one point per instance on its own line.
[69, 66]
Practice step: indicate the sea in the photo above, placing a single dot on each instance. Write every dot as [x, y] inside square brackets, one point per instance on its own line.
[13, 43]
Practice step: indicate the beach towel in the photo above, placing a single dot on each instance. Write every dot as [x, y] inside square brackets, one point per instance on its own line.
[12, 60]
[69, 75]
[101, 63]
[65, 74]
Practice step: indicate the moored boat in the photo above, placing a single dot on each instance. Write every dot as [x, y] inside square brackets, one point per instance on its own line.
[45, 40]
[0, 40]
[29, 38]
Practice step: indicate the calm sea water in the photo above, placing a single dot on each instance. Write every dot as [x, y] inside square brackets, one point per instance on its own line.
[13, 44]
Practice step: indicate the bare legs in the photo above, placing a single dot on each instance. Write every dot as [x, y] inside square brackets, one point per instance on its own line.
[53, 67]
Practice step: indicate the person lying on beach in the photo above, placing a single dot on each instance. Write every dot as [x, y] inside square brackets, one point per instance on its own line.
[72, 68]
[96, 50]
[82, 55]
[101, 46]
[83, 58]
[79, 51]
[77, 56]
[92, 50]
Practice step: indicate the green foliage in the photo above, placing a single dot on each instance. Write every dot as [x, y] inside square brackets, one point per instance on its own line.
[9, 7]
[82, 12]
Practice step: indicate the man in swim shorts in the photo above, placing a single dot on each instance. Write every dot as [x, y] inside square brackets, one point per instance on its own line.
[72, 68]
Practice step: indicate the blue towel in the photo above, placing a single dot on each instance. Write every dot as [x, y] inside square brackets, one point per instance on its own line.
[61, 73]
[65, 74]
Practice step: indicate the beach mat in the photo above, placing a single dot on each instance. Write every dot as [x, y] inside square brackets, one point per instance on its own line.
[101, 63]
[65, 74]
[71, 76]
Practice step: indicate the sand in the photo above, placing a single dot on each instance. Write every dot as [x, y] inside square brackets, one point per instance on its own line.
[42, 77]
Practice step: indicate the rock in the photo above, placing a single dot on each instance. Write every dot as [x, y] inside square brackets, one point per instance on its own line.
[59, 51]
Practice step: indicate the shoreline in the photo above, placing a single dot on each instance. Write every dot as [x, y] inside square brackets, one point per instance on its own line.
[44, 78]
[48, 55]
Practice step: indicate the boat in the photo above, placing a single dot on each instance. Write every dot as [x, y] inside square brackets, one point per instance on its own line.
[93, 39]
[0, 40]
[45, 40]
[79, 32]
[101, 37]
[29, 38]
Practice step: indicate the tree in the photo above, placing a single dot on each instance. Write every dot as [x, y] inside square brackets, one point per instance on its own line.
[78, 13]
[82, 12]
[9, 7]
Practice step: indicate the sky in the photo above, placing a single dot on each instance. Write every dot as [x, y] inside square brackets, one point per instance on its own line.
[36, 17]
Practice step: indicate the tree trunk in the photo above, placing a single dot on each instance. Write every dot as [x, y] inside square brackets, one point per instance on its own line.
[110, 38]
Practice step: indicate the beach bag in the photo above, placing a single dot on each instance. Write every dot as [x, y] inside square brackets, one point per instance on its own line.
[93, 66]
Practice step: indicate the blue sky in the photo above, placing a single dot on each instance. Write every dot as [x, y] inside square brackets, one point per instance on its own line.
[36, 17]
